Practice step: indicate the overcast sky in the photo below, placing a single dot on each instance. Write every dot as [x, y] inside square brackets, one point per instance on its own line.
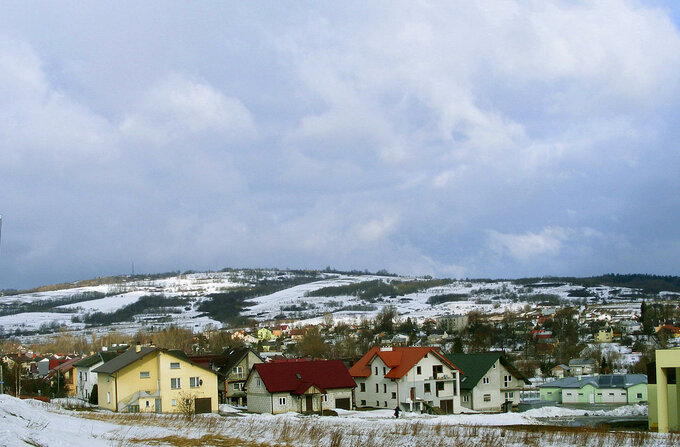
[454, 138]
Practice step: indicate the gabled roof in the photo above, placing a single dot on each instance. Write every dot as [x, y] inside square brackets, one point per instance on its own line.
[232, 357]
[601, 381]
[400, 360]
[131, 355]
[62, 367]
[475, 366]
[582, 362]
[125, 359]
[103, 356]
[298, 377]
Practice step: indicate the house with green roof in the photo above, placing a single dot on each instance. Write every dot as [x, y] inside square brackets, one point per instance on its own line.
[601, 389]
[489, 381]
[86, 378]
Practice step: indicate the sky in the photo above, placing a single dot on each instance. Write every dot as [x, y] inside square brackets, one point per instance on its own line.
[459, 139]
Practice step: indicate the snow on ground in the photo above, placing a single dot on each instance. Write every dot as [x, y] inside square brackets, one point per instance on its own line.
[31, 321]
[556, 412]
[36, 423]
[108, 304]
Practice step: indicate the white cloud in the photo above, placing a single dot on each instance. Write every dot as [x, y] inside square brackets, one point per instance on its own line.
[179, 107]
[39, 123]
[524, 247]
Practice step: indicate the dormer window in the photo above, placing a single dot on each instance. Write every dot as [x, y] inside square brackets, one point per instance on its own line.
[174, 365]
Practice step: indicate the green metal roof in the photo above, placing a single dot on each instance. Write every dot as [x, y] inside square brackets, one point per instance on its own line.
[475, 366]
[103, 356]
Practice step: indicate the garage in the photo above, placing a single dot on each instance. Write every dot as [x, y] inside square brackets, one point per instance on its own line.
[343, 404]
[203, 405]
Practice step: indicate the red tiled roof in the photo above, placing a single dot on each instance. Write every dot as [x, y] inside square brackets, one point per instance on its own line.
[323, 374]
[400, 360]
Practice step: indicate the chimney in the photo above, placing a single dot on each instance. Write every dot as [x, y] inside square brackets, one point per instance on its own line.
[138, 347]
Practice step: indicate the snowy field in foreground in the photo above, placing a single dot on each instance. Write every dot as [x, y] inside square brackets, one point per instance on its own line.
[35, 423]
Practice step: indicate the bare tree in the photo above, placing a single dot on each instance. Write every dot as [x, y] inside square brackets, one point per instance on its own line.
[187, 405]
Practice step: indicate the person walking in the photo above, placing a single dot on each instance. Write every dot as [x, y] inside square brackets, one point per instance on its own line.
[397, 410]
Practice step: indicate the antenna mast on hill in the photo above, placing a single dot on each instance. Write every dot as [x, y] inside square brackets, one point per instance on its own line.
[133, 268]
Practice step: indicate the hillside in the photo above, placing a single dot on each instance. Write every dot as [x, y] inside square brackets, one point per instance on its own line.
[232, 297]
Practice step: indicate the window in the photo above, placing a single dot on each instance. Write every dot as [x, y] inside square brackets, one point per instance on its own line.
[175, 383]
[580, 394]
[611, 394]
[195, 382]
[108, 378]
[507, 380]
[639, 395]
[377, 403]
[494, 366]
[568, 394]
[282, 401]
[485, 380]
[258, 383]
[419, 370]
[377, 389]
[238, 371]
[363, 403]
[384, 370]
[426, 387]
[376, 370]
[385, 404]
[237, 386]
[147, 404]
[362, 387]
[174, 365]
[108, 397]
[144, 374]
[394, 395]
[324, 398]
[85, 375]
[174, 402]
[440, 386]
[487, 398]
[384, 387]
[466, 398]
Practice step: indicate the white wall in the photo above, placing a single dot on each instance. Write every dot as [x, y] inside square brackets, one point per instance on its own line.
[391, 392]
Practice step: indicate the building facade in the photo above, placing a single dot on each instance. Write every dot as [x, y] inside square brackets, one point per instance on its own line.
[411, 378]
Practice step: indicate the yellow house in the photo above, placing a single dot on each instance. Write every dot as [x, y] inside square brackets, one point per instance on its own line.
[663, 391]
[605, 335]
[150, 379]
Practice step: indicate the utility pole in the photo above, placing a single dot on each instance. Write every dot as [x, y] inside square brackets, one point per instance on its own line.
[2, 383]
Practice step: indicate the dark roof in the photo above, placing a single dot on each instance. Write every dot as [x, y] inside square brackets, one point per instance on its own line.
[232, 357]
[297, 377]
[131, 355]
[602, 381]
[127, 358]
[103, 356]
[475, 366]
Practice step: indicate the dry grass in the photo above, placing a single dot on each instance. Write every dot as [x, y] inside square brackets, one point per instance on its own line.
[335, 432]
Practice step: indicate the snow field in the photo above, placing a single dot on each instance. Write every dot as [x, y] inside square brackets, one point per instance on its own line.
[35, 423]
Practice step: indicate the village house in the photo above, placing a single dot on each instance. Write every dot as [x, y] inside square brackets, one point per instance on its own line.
[489, 381]
[582, 367]
[560, 371]
[86, 378]
[304, 386]
[412, 378]
[602, 389]
[64, 375]
[235, 366]
[151, 379]
[605, 335]
[452, 323]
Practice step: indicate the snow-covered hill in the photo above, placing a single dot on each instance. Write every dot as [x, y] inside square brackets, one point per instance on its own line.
[45, 312]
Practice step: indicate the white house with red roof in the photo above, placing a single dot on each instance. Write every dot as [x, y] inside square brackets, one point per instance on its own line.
[304, 386]
[413, 378]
